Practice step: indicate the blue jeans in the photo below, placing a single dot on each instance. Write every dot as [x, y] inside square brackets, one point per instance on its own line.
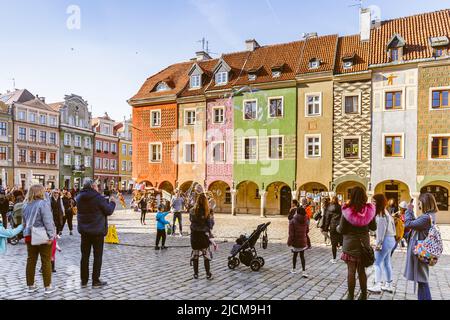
[423, 291]
[383, 260]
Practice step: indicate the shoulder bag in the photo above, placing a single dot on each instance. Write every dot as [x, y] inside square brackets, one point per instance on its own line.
[367, 255]
[39, 235]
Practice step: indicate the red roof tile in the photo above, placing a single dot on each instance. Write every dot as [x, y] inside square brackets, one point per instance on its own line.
[416, 30]
[352, 47]
[322, 48]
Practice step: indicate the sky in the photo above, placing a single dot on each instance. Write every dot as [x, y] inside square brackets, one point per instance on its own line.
[104, 50]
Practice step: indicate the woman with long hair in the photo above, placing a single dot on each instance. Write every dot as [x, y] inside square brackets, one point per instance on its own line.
[415, 270]
[200, 230]
[385, 239]
[333, 213]
[358, 217]
[37, 213]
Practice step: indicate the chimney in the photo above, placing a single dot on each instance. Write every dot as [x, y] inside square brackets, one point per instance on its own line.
[252, 45]
[202, 56]
[311, 35]
[369, 18]
[42, 99]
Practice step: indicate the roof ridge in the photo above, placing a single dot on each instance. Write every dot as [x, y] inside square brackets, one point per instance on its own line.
[417, 15]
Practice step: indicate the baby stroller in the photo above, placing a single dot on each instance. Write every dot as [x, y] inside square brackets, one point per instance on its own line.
[245, 248]
[15, 220]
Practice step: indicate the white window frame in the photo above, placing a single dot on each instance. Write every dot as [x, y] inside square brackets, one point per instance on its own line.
[50, 137]
[124, 148]
[430, 103]
[243, 109]
[77, 159]
[314, 61]
[308, 136]
[394, 89]
[40, 117]
[430, 145]
[67, 142]
[151, 118]
[19, 112]
[195, 154]
[343, 148]
[224, 79]
[80, 144]
[130, 166]
[87, 142]
[282, 107]
[195, 84]
[113, 147]
[122, 167]
[268, 147]
[113, 164]
[98, 163]
[87, 161]
[67, 159]
[214, 115]
[150, 152]
[26, 134]
[385, 134]
[314, 94]
[53, 121]
[106, 164]
[213, 145]
[352, 94]
[106, 146]
[6, 129]
[257, 149]
[35, 114]
[186, 117]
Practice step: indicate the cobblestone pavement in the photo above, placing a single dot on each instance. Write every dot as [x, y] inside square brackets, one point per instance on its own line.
[134, 270]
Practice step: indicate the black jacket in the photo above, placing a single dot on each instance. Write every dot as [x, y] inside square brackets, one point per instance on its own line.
[93, 210]
[353, 236]
[332, 218]
[4, 206]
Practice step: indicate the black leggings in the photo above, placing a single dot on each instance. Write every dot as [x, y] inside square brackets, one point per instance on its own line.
[353, 268]
[143, 213]
[334, 250]
[206, 259]
[161, 235]
[302, 258]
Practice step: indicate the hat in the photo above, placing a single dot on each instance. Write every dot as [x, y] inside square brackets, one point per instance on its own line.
[403, 205]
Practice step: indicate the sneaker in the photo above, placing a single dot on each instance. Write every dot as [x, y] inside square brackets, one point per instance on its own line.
[388, 287]
[71, 233]
[32, 289]
[49, 290]
[157, 248]
[376, 288]
[99, 284]
[164, 248]
[294, 271]
[84, 284]
[181, 235]
[305, 275]
[333, 261]
[195, 276]
[209, 276]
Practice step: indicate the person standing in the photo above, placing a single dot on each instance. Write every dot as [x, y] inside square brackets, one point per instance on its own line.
[142, 205]
[93, 213]
[306, 207]
[199, 217]
[399, 220]
[415, 270]
[391, 207]
[293, 210]
[385, 239]
[298, 231]
[161, 223]
[58, 211]
[4, 207]
[177, 207]
[358, 217]
[332, 218]
[69, 205]
[37, 214]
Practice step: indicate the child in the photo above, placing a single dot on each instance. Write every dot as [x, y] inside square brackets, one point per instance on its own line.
[161, 223]
[7, 234]
[55, 247]
[298, 241]
[211, 224]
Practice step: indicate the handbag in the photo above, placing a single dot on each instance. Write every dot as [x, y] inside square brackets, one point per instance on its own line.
[39, 235]
[428, 251]
[367, 255]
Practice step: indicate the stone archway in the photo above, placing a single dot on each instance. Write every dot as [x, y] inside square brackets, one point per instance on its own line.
[343, 190]
[221, 193]
[441, 191]
[166, 186]
[311, 188]
[394, 189]
[248, 198]
[278, 198]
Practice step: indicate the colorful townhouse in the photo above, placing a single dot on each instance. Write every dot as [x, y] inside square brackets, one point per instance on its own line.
[352, 119]
[155, 124]
[36, 139]
[106, 153]
[315, 114]
[77, 138]
[265, 110]
[123, 131]
[433, 127]
[6, 142]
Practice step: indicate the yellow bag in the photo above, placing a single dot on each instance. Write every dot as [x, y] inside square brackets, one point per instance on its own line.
[112, 237]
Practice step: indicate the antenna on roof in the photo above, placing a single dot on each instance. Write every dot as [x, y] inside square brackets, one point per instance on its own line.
[359, 4]
[14, 83]
[205, 46]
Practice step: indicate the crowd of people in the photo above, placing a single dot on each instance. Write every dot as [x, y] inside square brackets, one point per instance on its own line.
[345, 225]
[349, 225]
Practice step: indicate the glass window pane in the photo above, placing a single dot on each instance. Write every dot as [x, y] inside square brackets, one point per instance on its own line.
[445, 98]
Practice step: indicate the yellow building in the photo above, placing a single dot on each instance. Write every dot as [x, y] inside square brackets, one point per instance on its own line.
[123, 131]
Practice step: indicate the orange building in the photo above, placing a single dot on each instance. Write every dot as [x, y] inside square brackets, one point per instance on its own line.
[155, 123]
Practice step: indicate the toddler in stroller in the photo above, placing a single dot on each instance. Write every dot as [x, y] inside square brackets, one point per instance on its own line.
[15, 220]
[245, 248]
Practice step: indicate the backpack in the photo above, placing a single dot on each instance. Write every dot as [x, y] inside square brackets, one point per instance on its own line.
[429, 250]
[399, 228]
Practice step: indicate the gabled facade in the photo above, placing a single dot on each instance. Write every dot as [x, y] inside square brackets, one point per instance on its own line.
[77, 142]
[124, 131]
[352, 119]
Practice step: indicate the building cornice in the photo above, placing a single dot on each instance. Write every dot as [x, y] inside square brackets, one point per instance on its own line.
[315, 77]
[363, 75]
[152, 101]
[65, 127]
[435, 63]
[193, 99]
[409, 62]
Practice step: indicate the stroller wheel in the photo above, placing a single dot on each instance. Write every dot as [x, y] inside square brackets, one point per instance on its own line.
[233, 263]
[14, 241]
[261, 261]
[255, 265]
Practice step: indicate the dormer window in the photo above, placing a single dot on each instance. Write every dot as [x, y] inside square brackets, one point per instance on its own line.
[252, 76]
[393, 54]
[348, 64]
[276, 73]
[314, 63]
[221, 78]
[348, 60]
[162, 86]
[395, 48]
[439, 45]
[196, 81]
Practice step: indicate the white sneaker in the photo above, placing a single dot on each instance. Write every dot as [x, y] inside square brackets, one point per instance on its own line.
[376, 288]
[305, 275]
[49, 290]
[293, 271]
[388, 287]
[180, 235]
[32, 289]
[333, 261]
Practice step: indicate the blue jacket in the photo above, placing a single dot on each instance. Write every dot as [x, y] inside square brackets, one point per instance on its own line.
[6, 234]
[161, 220]
[93, 210]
